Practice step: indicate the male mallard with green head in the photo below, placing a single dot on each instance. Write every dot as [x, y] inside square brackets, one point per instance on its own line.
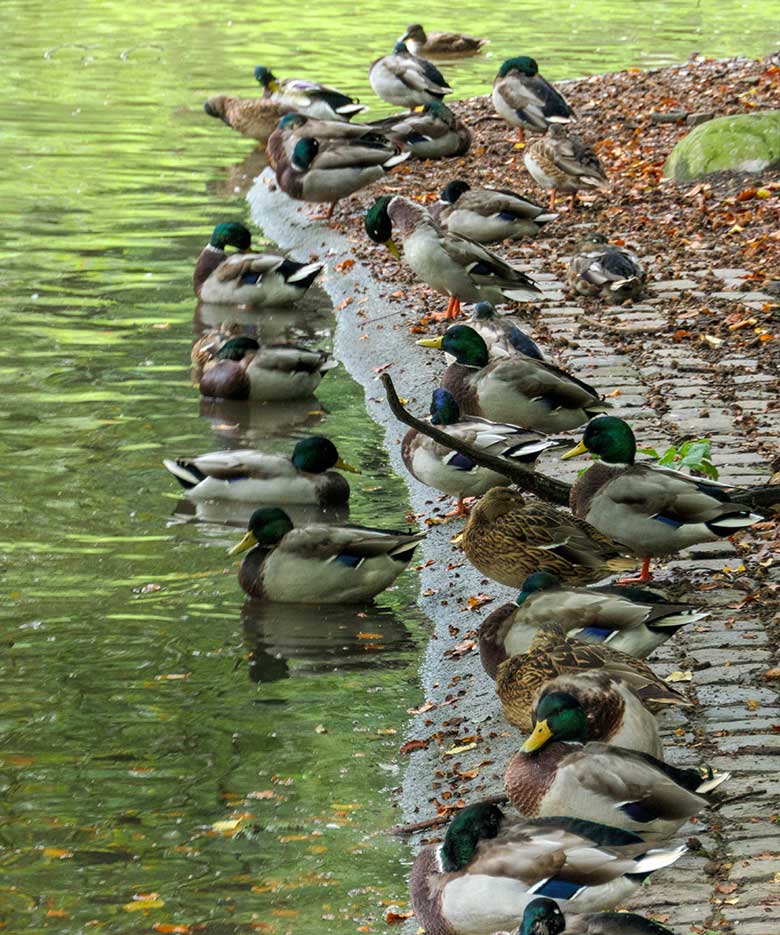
[244, 278]
[433, 133]
[406, 80]
[506, 539]
[441, 44]
[452, 265]
[562, 163]
[633, 620]
[543, 917]
[319, 564]
[491, 866]
[600, 269]
[252, 476]
[525, 99]
[327, 171]
[241, 369]
[522, 389]
[560, 772]
[653, 511]
[307, 97]
[488, 215]
[454, 473]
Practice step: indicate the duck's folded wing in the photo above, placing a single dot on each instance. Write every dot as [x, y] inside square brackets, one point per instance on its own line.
[574, 158]
[227, 465]
[484, 267]
[289, 358]
[355, 153]
[238, 265]
[535, 379]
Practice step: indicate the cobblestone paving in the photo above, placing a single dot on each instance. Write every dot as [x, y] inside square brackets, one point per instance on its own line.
[728, 882]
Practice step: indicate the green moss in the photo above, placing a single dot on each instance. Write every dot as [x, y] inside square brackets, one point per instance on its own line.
[745, 142]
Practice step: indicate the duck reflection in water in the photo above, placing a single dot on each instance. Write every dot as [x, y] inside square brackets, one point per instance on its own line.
[289, 640]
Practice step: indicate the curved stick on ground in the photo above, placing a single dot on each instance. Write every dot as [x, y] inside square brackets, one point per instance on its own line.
[546, 488]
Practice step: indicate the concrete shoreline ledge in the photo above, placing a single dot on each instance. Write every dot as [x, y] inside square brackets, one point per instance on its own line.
[726, 883]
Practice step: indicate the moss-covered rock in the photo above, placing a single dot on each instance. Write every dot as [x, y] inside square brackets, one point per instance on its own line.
[744, 142]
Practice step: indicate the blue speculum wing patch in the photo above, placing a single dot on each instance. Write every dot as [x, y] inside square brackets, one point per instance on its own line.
[250, 279]
[461, 462]
[351, 561]
[638, 812]
[596, 633]
[675, 523]
[558, 889]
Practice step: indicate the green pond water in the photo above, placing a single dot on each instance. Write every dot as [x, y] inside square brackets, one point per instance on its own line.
[173, 759]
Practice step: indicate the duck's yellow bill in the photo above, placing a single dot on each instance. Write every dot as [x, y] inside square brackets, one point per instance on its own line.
[538, 738]
[246, 543]
[273, 86]
[431, 342]
[342, 465]
[393, 249]
[575, 452]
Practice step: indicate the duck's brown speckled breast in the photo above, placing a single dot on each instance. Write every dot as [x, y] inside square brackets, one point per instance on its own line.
[589, 484]
[249, 572]
[528, 778]
[208, 261]
[425, 887]
[458, 380]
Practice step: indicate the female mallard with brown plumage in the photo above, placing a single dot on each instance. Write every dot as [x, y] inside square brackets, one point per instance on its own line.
[560, 772]
[507, 539]
[653, 511]
[253, 117]
[490, 866]
[523, 390]
[329, 170]
[244, 278]
[440, 44]
[633, 620]
[242, 369]
[319, 564]
[605, 683]
[454, 473]
[543, 916]
[307, 97]
[433, 133]
[562, 163]
[452, 265]
[525, 99]
[488, 215]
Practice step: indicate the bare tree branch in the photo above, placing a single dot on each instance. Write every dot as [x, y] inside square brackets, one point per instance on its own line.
[546, 488]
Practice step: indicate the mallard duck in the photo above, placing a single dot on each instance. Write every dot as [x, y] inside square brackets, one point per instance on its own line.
[245, 278]
[521, 389]
[320, 564]
[602, 681]
[241, 369]
[490, 866]
[307, 97]
[597, 268]
[443, 44]
[562, 163]
[653, 511]
[455, 474]
[543, 917]
[633, 620]
[294, 127]
[334, 169]
[488, 215]
[525, 99]
[247, 475]
[406, 80]
[433, 133]
[506, 539]
[252, 117]
[559, 772]
[452, 265]
[502, 334]
[615, 713]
